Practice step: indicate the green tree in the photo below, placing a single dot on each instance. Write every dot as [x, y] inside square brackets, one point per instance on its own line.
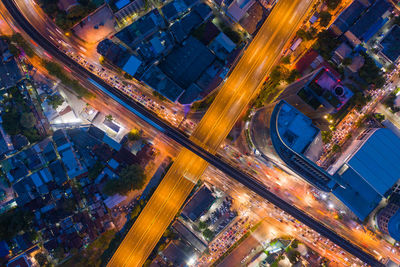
[324, 18]
[312, 31]
[134, 135]
[202, 225]
[77, 12]
[11, 123]
[359, 100]
[20, 41]
[208, 234]
[326, 136]
[305, 35]
[278, 74]
[293, 75]
[13, 222]
[295, 243]
[136, 211]
[332, 4]
[95, 170]
[326, 43]
[293, 256]
[379, 117]
[109, 117]
[55, 100]
[130, 178]
[27, 120]
[286, 60]
[32, 135]
[336, 148]
[232, 34]
[158, 95]
[56, 70]
[370, 73]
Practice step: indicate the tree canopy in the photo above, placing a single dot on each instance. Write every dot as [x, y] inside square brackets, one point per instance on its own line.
[56, 70]
[14, 221]
[326, 43]
[20, 41]
[332, 4]
[208, 234]
[27, 120]
[324, 18]
[130, 178]
[370, 73]
[55, 100]
[134, 135]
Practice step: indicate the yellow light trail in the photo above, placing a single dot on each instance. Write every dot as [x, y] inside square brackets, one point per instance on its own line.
[234, 96]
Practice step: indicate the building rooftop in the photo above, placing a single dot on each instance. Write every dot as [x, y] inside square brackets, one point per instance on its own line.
[191, 94]
[376, 161]
[142, 28]
[199, 203]
[238, 8]
[222, 46]
[111, 125]
[58, 172]
[160, 82]
[369, 170]
[178, 32]
[394, 226]
[371, 21]
[391, 44]
[10, 73]
[173, 10]
[190, 3]
[189, 236]
[185, 64]
[203, 10]
[358, 196]
[176, 254]
[306, 60]
[20, 261]
[207, 32]
[132, 65]
[190, 22]
[71, 162]
[349, 16]
[121, 3]
[295, 129]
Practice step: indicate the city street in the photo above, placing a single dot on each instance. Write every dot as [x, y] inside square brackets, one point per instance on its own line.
[286, 187]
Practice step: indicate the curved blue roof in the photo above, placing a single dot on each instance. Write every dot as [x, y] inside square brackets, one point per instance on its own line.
[394, 226]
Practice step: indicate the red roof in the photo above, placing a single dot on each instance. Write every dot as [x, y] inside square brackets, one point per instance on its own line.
[19, 262]
[306, 60]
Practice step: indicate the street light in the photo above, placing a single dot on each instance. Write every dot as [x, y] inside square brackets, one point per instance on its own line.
[191, 261]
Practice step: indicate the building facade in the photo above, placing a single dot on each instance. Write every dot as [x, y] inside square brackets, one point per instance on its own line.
[365, 173]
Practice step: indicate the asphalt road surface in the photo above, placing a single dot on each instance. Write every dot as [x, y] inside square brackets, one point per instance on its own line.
[184, 141]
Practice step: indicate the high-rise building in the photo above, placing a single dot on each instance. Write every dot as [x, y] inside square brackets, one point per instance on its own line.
[365, 174]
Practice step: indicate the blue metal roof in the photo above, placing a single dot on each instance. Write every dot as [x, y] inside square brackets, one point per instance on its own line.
[349, 16]
[370, 20]
[394, 226]
[391, 44]
[377, 161]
